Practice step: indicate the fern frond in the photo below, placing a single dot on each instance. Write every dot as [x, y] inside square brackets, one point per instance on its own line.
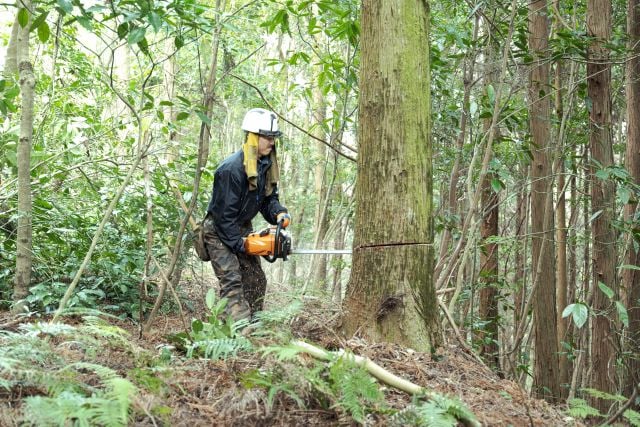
[274, 381]
[117, 399]
[633, 417]
[30, 349]
[281, 353]
[281, 314]
[107, 406]
[604, 395]
[579, 408]
[57, 411]
[454, 407]
[53, 329]
[356, 389]
[219, 348]
[103, 329]
[27, 359]
[105, 373]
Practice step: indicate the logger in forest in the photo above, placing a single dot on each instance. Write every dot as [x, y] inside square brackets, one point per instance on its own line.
[244, 184]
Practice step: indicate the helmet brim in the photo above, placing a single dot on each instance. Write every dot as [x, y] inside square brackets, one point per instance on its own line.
[270, 133]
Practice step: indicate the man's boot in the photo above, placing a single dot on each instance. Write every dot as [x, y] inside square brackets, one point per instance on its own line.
[237, 306]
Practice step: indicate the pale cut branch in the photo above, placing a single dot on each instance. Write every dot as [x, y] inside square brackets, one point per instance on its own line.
[377, 371]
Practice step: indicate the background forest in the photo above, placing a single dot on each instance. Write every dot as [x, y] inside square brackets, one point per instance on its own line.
[115, 114]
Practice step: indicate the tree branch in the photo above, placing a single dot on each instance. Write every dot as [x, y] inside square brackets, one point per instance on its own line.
[340, 153]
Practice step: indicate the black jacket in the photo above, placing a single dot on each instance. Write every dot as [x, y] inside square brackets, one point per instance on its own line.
[233, 205]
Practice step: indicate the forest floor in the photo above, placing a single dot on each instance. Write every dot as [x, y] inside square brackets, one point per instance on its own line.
[196, 392]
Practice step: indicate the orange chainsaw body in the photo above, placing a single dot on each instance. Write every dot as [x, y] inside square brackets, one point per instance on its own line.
[261, 243]
[271, 243]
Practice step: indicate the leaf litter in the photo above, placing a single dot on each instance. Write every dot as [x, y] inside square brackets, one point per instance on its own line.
[197, 392]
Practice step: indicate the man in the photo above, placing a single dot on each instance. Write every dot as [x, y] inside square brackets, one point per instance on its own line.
[244, 184]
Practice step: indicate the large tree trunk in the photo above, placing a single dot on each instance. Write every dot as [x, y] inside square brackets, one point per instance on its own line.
[631, 277]
[24, 235]
[391, 295]
[603, 353]
[546, 367]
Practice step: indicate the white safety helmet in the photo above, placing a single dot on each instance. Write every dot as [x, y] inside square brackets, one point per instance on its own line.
[262, 122]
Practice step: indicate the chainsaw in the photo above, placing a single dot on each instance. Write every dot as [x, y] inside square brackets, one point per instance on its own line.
[275, 242]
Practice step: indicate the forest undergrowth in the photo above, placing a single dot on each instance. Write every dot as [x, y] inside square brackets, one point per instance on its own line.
[200, 370]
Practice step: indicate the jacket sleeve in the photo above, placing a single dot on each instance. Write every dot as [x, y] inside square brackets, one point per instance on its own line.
[226, 203]
[271, 207]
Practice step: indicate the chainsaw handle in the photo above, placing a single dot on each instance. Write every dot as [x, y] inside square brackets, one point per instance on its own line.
[276, 245]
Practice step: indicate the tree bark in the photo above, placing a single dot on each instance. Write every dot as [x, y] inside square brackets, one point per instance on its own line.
[546, 368]
[24, 244]
[11, 59]
[488, 309]
[488, 304]
[603, 354]
[631, 277]
[391, 296]
[318, 269]
[561, 246]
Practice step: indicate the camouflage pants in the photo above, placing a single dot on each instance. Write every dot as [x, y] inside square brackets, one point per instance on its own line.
[240, 276]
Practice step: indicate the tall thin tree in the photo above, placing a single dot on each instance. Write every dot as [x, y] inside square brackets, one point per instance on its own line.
[488, 304]
[630, 276]
[391, 294]
[27, 87]
[546, 366]
[603, 347]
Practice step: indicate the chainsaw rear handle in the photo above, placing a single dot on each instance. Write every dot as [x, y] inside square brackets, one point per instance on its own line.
[271, 243]
[277, 244]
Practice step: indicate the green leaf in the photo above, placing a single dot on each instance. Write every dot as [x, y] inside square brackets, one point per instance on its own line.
[606, 290]
[43, 32]
[630, 267]
[86, 23]
[206, 120]
[473, 108]
[143, 45]
[579, 313]
[178, 42]
[491, 94]
[602, 174]
[155, 21]
[136, 35]
[23, 17]
[211, 298]
[65, 6]
[622, 313]
[595, 215]
[182, 115]
[496, 185]
[624, 195]
[197, 326]
[122, 30]
[39, 20]
[184, 100]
